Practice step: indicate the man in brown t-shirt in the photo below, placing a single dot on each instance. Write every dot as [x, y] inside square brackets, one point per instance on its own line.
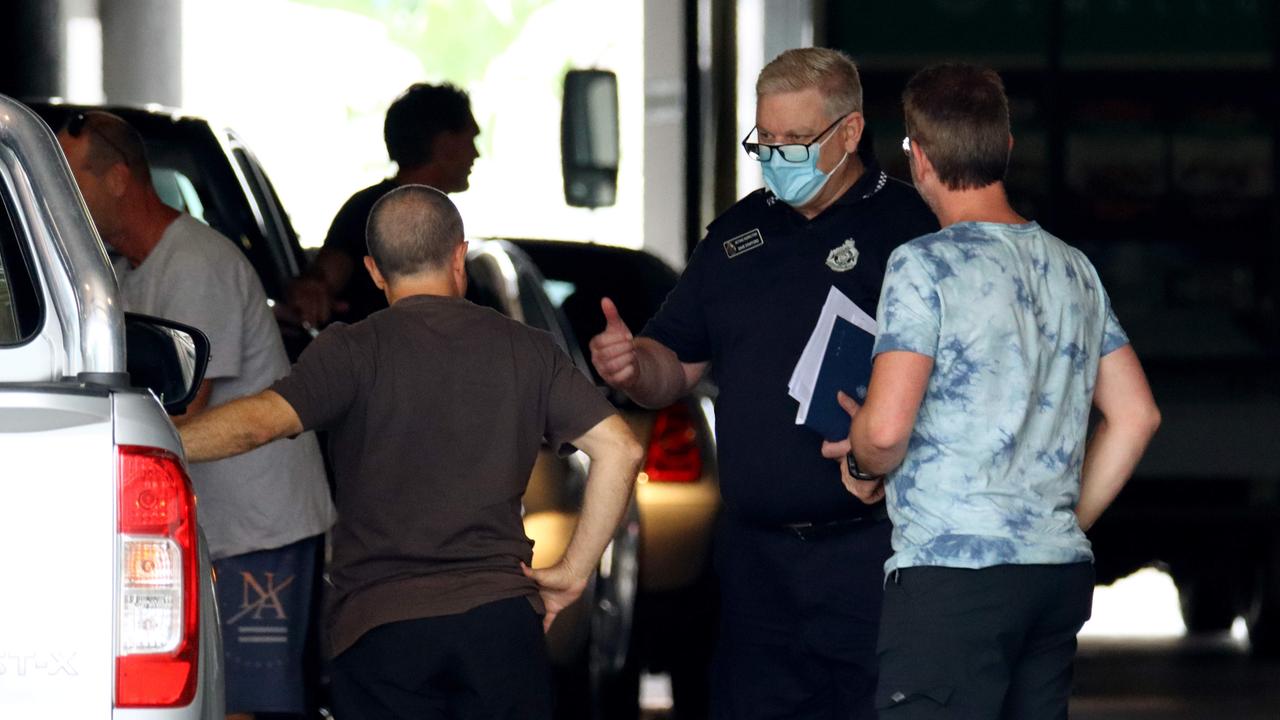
[436, 410]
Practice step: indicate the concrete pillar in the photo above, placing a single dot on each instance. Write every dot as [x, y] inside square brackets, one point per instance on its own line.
[665, 115]
[31, 48]
[142, 51]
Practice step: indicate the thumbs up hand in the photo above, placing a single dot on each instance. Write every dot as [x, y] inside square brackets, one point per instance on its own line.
[613, 351]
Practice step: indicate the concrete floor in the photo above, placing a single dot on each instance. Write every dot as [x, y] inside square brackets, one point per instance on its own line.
[1202, 678]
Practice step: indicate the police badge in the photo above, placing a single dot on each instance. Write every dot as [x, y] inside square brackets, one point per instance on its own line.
[843, 258]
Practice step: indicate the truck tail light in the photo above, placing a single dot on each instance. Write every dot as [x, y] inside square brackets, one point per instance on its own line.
[157, 626]
[674, 454]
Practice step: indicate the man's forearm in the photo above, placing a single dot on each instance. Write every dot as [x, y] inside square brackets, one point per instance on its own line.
[1129, 419]
[660, 378]
[238, 427]
[873, 458]
[1110, 458]
[609, 484]
[881, 429]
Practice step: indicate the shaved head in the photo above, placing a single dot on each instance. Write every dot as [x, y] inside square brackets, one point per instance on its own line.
[413, 229]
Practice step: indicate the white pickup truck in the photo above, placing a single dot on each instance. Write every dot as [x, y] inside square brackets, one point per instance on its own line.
[106, 606]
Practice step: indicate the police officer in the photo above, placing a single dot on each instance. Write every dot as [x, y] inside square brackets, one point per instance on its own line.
[800, 560]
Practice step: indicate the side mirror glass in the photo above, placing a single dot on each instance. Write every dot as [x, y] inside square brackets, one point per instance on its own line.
[166, 357]
[589, 138]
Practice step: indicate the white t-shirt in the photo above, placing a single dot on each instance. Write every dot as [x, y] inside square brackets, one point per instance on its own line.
[277, 494]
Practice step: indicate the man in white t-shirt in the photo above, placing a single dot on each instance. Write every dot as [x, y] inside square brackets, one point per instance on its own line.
[264, 513]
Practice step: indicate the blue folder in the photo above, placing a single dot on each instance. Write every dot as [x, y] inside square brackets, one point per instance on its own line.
[846, 365]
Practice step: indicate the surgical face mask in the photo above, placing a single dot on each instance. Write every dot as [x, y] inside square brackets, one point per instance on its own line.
[796, 183]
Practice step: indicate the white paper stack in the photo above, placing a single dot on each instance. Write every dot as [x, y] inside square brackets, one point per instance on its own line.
[805, 376]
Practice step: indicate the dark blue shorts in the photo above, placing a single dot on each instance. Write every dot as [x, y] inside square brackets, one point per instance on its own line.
[265, 602]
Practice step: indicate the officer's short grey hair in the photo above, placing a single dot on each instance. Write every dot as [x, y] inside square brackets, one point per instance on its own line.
[832, 72]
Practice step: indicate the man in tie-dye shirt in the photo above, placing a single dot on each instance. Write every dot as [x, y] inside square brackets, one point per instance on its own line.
[995, 340]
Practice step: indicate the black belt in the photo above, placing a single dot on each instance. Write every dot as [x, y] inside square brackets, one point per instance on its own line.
[819, 530]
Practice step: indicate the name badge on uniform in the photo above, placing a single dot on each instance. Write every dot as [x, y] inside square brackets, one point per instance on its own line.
[745, 242]
[843, 258]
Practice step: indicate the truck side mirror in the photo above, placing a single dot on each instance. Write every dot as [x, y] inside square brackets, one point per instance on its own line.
[166, 357]
[589, 138]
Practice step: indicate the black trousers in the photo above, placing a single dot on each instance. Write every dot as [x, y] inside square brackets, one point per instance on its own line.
[799, 618]
[992, 643]
[488, 663]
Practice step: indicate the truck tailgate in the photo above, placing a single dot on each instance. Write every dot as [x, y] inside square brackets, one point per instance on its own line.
[57, 554]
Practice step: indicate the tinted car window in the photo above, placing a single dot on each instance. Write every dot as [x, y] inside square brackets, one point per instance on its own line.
[19, 302]
[537, 312]
[177, 191]
[274, 222]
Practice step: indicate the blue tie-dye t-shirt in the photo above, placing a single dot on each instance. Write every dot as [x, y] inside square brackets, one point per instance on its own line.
[1016, 321]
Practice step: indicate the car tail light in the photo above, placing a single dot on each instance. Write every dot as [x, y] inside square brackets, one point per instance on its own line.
[674, 453]
[159, 601]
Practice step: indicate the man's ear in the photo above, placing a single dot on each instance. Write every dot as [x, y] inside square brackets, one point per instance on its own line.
[459, 259]
[458, 264]
[851, 130]
[116, 179]
[374, 273]
[923, 168]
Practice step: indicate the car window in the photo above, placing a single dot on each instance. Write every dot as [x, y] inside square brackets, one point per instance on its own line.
[19, 302]
[177, 191]
[541, 312]
[274, 221]
[533, 301]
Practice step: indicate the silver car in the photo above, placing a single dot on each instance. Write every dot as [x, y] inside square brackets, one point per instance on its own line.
[108, 608]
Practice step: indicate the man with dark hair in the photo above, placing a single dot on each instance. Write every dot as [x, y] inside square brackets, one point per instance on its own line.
[800, 562]
[995, 339]
[264, 513]
[430, 134]
[436, 409]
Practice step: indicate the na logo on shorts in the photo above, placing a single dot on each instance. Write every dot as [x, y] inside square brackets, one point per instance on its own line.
[843, 258]
[265, 598]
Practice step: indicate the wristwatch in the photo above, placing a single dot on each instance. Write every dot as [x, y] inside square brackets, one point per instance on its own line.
[856, 472]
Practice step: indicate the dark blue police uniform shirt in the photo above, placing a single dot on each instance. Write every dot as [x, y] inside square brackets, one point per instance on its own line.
[747, 302]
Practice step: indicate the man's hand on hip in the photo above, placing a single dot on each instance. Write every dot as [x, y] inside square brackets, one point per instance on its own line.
[559, 586]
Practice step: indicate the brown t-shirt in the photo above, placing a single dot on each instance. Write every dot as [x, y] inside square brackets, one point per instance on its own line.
[437, 409]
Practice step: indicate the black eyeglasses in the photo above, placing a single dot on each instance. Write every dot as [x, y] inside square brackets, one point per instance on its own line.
[792, 152]
[79, 122]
